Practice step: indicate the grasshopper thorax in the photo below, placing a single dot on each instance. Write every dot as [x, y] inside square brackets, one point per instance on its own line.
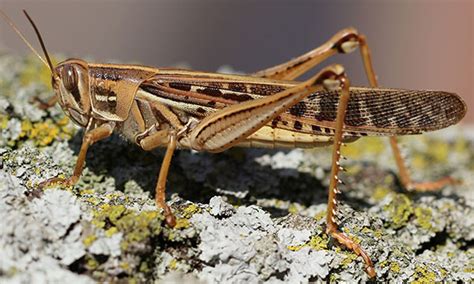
[70, 82]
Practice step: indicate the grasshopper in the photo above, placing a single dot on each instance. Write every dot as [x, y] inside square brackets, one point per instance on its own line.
[174, 108]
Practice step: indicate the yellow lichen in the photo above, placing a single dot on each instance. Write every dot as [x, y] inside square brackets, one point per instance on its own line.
[318, 243]
[91, 263]
[383, 263]
[189, 211]
[115, 213]
[371, 145]
[104, 207]
[293, 208]
[87, 191]
[144, 267]
[36, 72]
[424, 275]
[380, 192]
[469, 267]
[395, 267]
[296, 248]
[443, 272]
[44, 133]
[461, 145]
[4, 121]
[173, 264]
[124, 265]
[89, 240]
[135, 226]
[399, 209]
[350, 257]
[98, 222]
[320, 215]
[378, 233]
[419, 161]
[181, 223]
[112, 195]
[442, 151]
[92, 200]
[111, 231]
[424, 217]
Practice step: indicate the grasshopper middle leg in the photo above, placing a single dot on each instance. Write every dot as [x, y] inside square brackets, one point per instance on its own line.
[150, 142]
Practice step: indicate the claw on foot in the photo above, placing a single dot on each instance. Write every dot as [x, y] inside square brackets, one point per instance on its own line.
[169, 216]
[57, 181]
[355, 247]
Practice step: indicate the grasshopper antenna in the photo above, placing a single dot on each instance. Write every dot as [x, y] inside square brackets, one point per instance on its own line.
[20, 34]
[41, 42]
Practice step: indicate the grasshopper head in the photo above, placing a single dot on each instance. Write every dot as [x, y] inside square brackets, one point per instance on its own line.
[69, 78]
[70, 82]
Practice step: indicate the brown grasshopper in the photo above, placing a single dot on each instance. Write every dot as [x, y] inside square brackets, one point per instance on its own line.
[154, 107]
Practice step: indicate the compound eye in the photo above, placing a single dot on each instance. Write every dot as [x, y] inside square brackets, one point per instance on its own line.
[69, 76]
[70, 80]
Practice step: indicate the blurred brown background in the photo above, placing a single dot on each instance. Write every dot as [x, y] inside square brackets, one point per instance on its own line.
[415, 44]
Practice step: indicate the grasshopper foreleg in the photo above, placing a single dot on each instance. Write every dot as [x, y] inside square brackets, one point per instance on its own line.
[101, 132]
[161, 184]
[45, 104]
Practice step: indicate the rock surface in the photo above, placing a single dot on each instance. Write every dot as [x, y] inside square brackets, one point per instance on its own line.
[245, 215]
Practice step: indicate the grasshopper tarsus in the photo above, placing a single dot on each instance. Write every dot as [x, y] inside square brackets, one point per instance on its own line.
[405, 177]
[344, 240]
[169, 217]
[212, 112]
[432, 185]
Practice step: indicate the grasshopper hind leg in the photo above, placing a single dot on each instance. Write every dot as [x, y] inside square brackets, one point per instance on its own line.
[405, 177]
[344, 42]
[406, 180]
[331, 225]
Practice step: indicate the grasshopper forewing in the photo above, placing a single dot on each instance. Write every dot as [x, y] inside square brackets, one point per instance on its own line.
[154, 107]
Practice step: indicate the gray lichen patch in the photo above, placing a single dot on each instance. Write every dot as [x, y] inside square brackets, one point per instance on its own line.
[244, 215]
[248, 246]
[40, 237]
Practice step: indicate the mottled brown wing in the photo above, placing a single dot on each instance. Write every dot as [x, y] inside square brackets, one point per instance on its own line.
[383, 111]
[371, 111]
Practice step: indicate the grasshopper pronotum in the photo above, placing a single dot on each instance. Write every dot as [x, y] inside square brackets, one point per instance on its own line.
[173, 108]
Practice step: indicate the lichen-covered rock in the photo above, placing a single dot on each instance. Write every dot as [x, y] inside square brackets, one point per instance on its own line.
[39, 237]
[242, 216]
